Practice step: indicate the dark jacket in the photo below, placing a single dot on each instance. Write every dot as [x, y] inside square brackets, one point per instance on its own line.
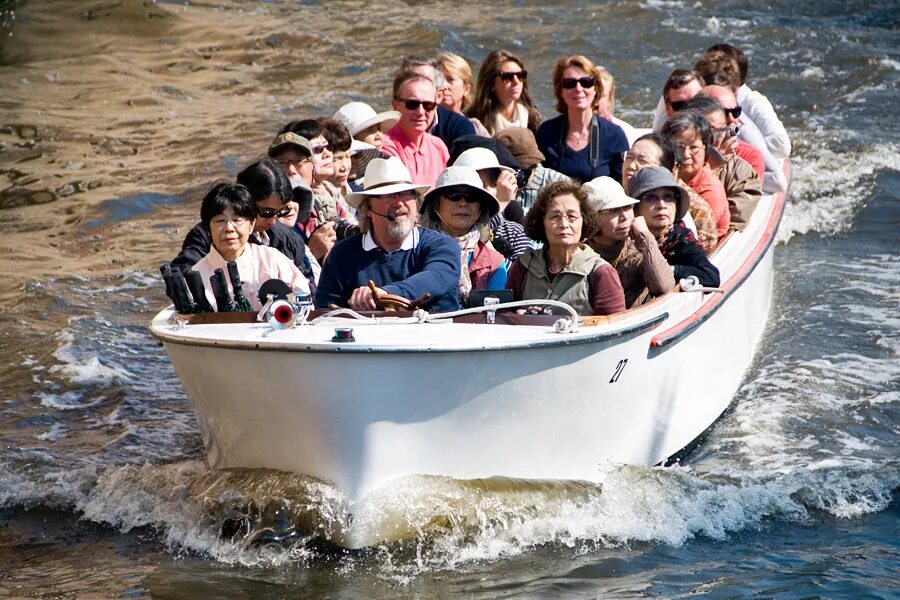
[683, 251]
[282, 238]
[451, 125]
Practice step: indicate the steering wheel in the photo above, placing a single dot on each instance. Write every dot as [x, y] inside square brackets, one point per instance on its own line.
[393, 302]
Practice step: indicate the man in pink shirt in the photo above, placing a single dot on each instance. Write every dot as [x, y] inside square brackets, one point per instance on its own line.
[423, 154]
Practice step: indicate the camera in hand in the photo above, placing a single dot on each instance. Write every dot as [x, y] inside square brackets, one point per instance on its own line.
[344, 228]
[522, 176]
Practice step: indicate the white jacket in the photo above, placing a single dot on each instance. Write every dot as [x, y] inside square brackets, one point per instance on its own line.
[759, 110]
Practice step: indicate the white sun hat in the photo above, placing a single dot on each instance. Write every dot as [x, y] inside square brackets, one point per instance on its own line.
[605, 193]
[359, 116]
[385, 176]
[456, 177]
[479, 159]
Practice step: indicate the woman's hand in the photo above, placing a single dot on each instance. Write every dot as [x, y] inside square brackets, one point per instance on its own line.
[507, 188]
[321, 240]
[639, 226]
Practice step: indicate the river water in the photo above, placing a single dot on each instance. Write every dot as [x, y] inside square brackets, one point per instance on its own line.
[116, 115]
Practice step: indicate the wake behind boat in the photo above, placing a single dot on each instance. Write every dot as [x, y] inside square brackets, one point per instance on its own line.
[529, 397]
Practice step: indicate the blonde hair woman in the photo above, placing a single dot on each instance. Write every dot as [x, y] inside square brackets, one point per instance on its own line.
[456, 95]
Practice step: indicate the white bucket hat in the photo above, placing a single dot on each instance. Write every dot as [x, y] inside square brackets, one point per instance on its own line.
[479, 159]
[385, 176]
[463, 177]
[359, 116]
[605, 193]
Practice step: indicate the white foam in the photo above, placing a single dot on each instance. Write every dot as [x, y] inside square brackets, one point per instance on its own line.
[813, 73]
[828, 188]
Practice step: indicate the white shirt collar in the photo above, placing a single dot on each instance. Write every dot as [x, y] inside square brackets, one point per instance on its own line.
[409, 242]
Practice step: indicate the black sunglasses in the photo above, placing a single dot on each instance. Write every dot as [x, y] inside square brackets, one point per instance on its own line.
[457, 195]
[678, 105]
[268, 213]
[735, 111]
[414, 104]
[510, 75]
[569, 83]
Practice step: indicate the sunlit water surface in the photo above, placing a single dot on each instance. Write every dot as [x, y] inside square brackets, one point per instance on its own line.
[135, 107]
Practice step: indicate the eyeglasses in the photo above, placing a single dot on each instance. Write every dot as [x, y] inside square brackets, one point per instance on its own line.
[678, 105]
[404, 196]
[558, 217]
[268, 213]
[415, 104]
[692, 149]
[284, 163]
[222, 221]
[457, 195]
[569, 83]
[508, 76]
[734, 111]
[320, 148]
[666, 196]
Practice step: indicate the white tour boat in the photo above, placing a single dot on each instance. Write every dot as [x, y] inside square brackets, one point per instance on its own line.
[542, 398]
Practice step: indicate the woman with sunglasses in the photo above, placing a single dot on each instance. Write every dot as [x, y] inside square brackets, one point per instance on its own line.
[578, 143]
[565, 269]
[502, 98]
[229, 216]
[270, 191]
[461, 207]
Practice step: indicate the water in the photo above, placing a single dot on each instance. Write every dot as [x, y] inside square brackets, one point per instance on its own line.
[117, 115]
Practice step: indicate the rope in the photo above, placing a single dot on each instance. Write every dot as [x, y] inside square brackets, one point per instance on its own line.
[692, 284]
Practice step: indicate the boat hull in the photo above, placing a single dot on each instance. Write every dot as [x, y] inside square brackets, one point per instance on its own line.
[474, 401]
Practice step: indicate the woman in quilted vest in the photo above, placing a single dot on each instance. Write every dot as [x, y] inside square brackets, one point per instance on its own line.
[565, 269]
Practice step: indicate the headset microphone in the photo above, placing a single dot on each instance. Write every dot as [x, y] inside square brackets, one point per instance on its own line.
[388, 216]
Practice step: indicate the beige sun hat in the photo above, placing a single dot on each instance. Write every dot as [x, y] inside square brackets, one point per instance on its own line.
[605, 193]
[385, 176]
[359, 116]
[479, 159]
[463, 177]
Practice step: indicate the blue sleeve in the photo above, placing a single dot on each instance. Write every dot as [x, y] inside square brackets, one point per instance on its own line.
[331, 286]
[438, 269]
[498, 278]
[547, 138]
[618, 145]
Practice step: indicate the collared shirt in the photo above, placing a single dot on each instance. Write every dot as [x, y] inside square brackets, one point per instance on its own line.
[409, 242]
[424, 162]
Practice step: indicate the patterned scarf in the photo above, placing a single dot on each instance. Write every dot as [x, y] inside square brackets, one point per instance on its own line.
[467, 245]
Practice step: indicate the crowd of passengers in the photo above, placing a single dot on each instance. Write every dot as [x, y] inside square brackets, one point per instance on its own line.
[464, 186]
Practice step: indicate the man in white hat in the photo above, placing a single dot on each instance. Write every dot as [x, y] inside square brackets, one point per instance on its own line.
[393, 252]
[626, 243]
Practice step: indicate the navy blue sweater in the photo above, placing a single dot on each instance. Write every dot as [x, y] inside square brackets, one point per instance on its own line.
[432, 266]
[450, 126]
[577, 165]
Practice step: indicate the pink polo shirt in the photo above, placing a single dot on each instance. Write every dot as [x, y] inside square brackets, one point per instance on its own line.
[711, 189]
[424, 162]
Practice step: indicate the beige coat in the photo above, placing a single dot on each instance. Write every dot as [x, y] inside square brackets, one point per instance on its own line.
[743, 189]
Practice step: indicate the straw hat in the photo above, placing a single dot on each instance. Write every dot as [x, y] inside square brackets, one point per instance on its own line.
[359, 116]
[651, 178]
[462, 177]
[385, 176]
[605, 193]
